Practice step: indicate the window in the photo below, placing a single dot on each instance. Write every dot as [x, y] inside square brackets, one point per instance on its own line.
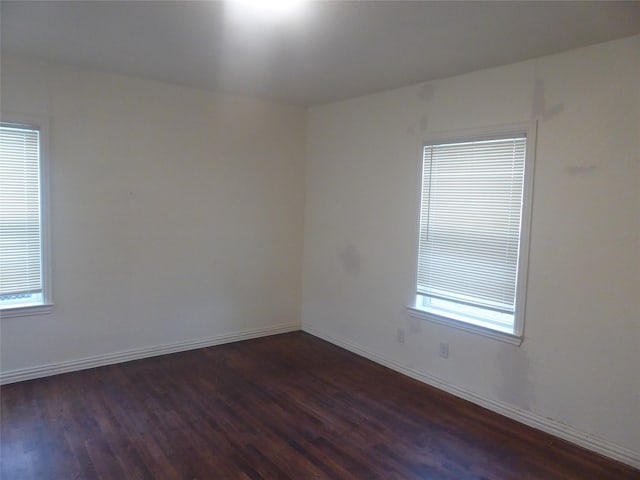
[23, 270]
[474, 223]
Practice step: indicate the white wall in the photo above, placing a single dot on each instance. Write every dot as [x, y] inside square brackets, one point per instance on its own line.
[579, 363]
[176, 214]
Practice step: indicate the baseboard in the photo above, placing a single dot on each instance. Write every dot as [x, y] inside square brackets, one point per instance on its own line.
[137, 353]
[531, 419]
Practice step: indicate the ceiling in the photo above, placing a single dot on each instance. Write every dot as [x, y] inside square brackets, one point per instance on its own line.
[330, 51]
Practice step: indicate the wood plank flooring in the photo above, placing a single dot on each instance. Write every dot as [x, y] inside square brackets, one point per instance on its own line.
[286, 406]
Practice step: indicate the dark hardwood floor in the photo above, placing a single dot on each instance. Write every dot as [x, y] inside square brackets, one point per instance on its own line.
[287, 406]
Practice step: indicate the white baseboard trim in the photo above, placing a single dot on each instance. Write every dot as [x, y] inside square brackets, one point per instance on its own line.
[137, 353]
[531, 419]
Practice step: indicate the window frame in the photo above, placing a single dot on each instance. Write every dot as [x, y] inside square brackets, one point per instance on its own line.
[40, 123]
[529, 129]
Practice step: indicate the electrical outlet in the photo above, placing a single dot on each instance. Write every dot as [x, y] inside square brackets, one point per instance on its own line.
[400, 335]
[444, 349]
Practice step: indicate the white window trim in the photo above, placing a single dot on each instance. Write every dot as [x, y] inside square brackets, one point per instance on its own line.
[420, 314]
[530, 129]
[42, 124]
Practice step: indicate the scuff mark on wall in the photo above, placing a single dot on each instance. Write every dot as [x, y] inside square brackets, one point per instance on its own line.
[539, 108]
[415, 325]
[427, 91]
[577, 169]
[351, 260]
[514, 385]
[424, 122]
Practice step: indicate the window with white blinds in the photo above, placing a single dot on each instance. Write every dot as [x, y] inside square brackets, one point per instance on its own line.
[471, 223]
[21, 278]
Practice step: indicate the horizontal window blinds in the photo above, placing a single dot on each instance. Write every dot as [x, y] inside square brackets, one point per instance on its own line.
[20, 231]
[470, 221]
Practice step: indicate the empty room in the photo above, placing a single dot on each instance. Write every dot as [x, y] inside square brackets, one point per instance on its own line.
[297, 239]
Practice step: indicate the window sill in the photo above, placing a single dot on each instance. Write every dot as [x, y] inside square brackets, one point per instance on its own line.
[26, 311]
[467, 327]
